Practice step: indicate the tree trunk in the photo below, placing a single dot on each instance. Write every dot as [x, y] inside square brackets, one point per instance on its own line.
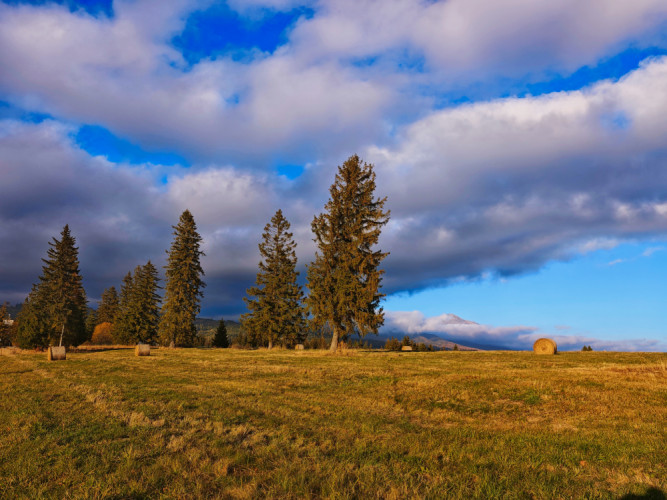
[270, 344]
[334, 339]
[62, 332]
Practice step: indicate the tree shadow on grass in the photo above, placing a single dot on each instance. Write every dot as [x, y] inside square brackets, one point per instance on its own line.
[651, 494]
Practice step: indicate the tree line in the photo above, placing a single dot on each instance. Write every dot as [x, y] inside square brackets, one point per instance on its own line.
[343, 283]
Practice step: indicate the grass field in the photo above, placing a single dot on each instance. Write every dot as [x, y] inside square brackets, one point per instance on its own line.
[245, 424]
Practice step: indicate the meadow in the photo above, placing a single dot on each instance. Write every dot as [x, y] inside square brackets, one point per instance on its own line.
[201, 423]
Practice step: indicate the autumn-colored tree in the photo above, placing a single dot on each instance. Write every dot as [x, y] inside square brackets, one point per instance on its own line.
[102, 334]
[345, 278]
[183, 289]
[275, 311]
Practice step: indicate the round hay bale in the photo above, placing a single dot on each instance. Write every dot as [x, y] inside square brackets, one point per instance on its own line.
[299, 347]
[545, 346]
[406, 348]
[142, 350]
[56, 353]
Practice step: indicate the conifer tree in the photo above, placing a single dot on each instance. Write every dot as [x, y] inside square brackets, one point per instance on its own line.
[344, 280]
[62, 286]
[147, 301]
[139, 304]
[33, 330]
[55, 310]
[123, 330]
[108, 306]
[183, 289]
[220, 339]
[276, 312]
[91, 322]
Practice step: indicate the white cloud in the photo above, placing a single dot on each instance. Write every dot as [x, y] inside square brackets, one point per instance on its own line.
[466, 39]
[415, 322]
[453, 328]
[519, 181]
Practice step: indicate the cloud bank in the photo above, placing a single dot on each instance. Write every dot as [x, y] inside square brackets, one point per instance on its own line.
[456, 329]
[500, 185]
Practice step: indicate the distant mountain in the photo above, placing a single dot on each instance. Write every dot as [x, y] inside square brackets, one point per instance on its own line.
[445, 340]
[206, 327]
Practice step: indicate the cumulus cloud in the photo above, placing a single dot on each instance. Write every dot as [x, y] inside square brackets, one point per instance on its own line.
[316, 94]
[118, 215]
[472, 39]
[500, 186]
[506, 185]
[123, 73]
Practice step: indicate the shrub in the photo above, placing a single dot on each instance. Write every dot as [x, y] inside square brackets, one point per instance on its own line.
[102, 335]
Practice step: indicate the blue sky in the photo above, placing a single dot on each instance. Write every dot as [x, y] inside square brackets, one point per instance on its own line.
[522, 148]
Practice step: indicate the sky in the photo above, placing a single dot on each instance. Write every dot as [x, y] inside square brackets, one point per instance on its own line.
[522, 148]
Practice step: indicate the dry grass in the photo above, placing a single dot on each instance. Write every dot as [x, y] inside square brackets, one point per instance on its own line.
[238, 424]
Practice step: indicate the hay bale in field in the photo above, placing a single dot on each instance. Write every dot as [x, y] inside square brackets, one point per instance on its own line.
[545, 346]
[406, 348]
[299, 347]
[56, 353]
[142, 350]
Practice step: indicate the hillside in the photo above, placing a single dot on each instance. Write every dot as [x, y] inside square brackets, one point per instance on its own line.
[206, 328]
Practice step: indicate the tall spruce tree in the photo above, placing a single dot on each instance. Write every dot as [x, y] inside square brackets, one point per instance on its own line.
[56, 307]
[108, 306]
[276, 313]
[62, 285]
[183, 289]
[344, 280]
[139, 304]
[146, 285]
[123, 329]
[220, 339]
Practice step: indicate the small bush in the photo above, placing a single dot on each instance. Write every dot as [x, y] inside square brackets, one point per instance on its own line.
[102, 335]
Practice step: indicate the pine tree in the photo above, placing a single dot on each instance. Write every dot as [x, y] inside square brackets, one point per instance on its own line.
[276, 313]
[183, 289]
[108, 306]
[124, 328]
[139, 304]
[65, 297]
[220, 339]
[33, 329]
[91, 322]
[344, 280]
[55, 310]
[146, 282]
